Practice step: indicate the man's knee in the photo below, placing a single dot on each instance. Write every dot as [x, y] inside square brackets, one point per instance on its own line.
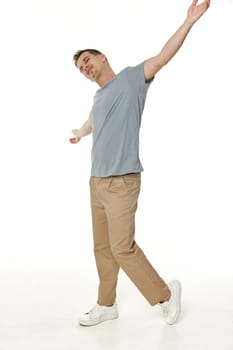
[120, 251]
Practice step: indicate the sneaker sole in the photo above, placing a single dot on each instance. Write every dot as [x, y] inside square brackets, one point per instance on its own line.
[101, 319]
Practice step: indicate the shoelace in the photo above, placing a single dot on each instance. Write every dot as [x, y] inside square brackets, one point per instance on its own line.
[92, 311]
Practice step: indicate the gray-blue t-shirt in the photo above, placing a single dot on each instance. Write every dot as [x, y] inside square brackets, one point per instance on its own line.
[116, 118]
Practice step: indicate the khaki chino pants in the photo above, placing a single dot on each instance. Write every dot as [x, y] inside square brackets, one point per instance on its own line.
[114, 204]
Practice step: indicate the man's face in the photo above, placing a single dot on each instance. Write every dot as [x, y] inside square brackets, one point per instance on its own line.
[90, 65]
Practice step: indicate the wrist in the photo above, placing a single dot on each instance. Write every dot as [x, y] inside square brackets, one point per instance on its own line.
[77, 133]
[188, 23]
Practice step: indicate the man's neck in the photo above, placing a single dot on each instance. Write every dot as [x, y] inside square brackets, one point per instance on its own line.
[105, 77]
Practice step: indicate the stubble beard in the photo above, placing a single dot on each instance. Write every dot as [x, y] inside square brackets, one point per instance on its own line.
[94, 75]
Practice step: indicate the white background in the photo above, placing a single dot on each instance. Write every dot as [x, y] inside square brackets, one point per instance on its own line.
[186, 135]
[184, 220]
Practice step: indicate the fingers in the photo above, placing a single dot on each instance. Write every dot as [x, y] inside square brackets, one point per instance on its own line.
[194, 3]
[207, 2]
[73, 140]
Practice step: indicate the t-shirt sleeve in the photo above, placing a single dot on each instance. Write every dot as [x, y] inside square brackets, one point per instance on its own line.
[136, 75]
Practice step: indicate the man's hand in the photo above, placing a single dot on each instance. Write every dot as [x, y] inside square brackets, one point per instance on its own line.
[196, 11]
[75, 139]
[85, 130]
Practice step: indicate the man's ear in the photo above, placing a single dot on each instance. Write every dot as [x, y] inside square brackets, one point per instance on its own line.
[103, 58]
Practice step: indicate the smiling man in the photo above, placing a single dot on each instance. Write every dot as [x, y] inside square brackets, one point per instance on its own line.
[115, 180]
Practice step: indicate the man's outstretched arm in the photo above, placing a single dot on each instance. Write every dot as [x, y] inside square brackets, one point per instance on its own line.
[154, 64]
[85, 130]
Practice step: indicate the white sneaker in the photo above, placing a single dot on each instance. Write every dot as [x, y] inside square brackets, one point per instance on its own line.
[172, 308]
[99, 314]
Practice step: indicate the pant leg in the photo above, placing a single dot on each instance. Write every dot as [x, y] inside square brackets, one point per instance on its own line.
[121, 196]
[107, 266]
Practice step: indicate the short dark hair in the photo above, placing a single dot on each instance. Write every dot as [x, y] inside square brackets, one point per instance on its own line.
[80, 52]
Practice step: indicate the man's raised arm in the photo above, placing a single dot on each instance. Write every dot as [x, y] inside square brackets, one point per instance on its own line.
[154, 64]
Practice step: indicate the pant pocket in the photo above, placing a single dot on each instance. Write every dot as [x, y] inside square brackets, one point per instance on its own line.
[116, 184]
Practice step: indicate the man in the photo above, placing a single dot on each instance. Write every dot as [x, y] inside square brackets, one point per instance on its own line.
[115, 175]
